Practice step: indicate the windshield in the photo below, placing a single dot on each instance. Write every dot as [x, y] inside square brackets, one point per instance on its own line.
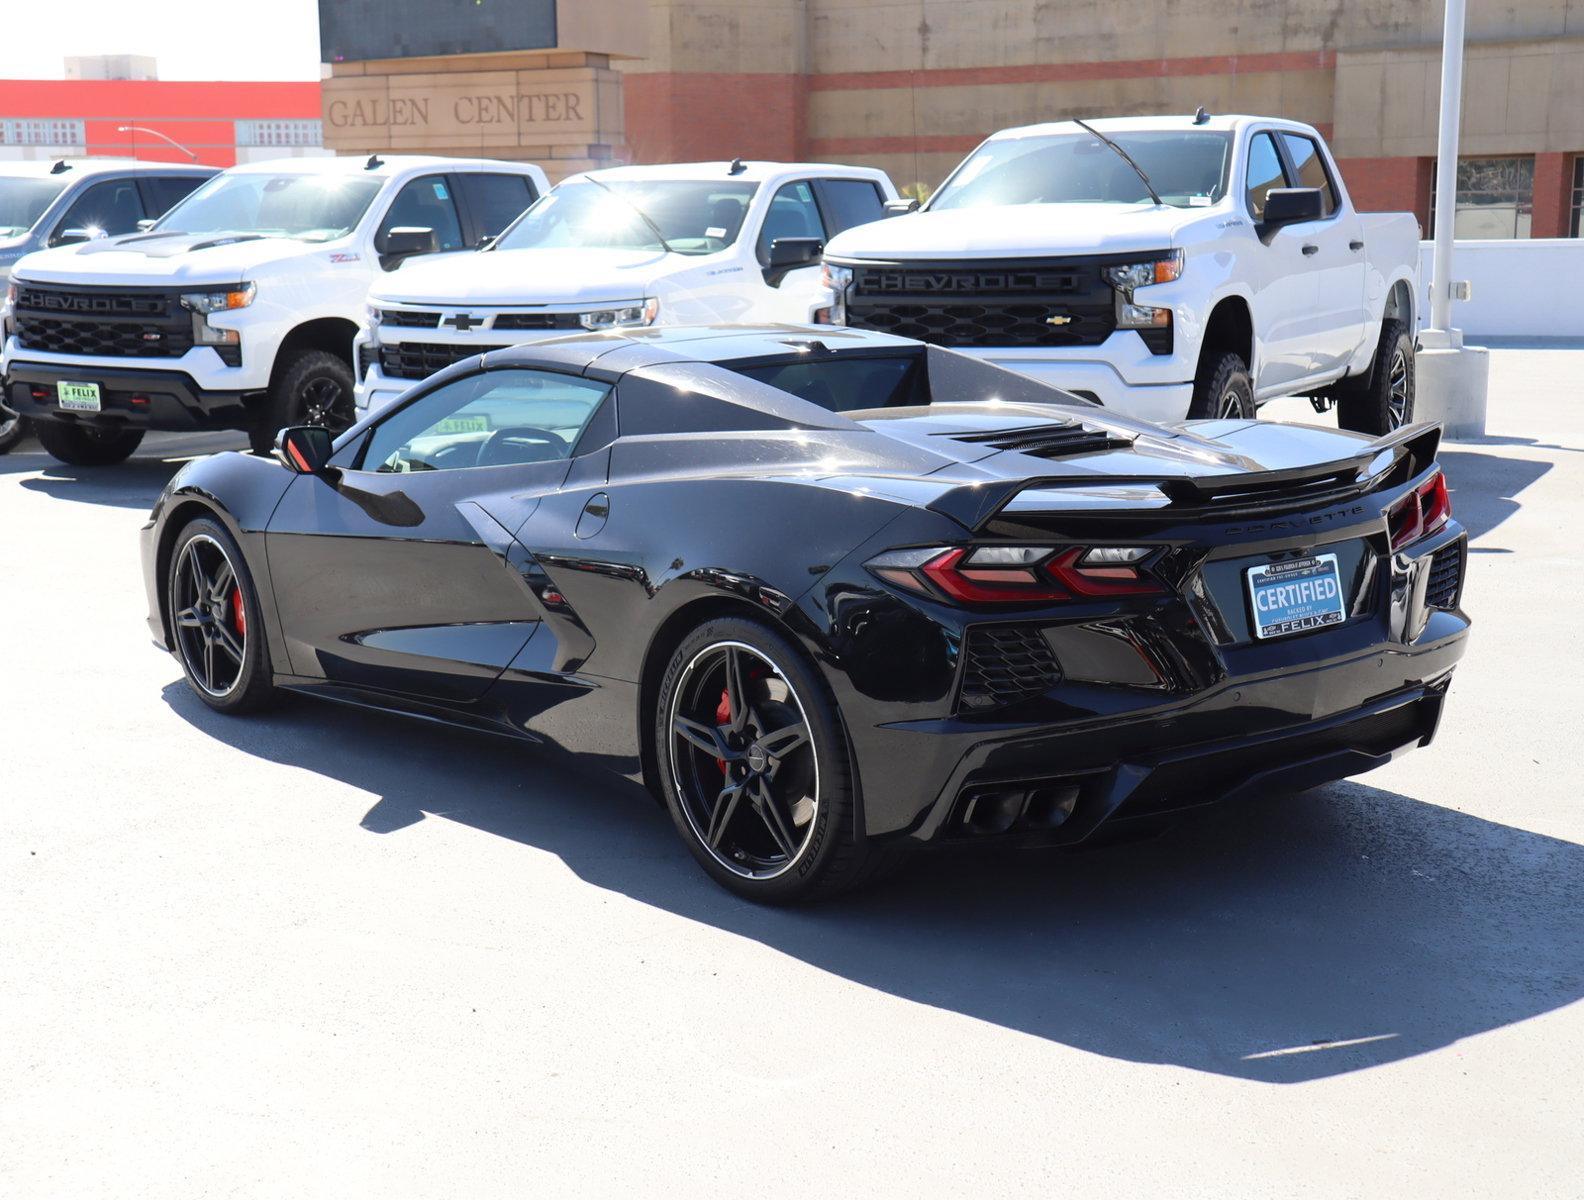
[316, 208]
[1188, 169]
[693, 216]
[23, 201]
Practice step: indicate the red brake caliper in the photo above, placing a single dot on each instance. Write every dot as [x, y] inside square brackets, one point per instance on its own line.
[238, 613]
[723, 717]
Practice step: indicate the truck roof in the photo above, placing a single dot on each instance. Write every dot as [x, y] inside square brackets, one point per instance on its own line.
[78, 168]
[385, 166]
[1223, 122]
[752, 171]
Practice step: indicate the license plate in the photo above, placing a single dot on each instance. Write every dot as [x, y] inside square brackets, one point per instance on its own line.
[1296, 595]
[78, 397]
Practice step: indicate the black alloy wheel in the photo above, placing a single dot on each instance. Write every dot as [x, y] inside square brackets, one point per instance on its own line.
[743, 761]
[326, 402]
[1381, 400]
[1223, 390]
[1398, 398]
[212, 608]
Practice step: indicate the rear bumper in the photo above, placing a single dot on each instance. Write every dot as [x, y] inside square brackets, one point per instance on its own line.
[132, 398]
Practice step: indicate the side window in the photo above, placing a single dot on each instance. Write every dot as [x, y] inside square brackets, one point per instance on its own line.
[113, 206]
[162, 192]
[849, 202]
[1264, 172]
[494, 201]
[492, 419]
[425, 203]
[793, 214]
[1311, 169]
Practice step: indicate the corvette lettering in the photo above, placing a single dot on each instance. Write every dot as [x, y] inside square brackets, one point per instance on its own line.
[1289, 525]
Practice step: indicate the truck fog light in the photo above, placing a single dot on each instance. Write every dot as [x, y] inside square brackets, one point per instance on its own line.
[1141, 316]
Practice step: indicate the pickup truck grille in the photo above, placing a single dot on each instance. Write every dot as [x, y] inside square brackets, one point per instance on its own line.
[419, 360]
[1037, 302]
[102, 322]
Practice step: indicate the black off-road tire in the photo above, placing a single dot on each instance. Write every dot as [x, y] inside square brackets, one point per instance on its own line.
[254, 688]
[12, 431]
[1383, 400]
[293, 398]
[1222, 389]
[832, 859]
[87, 445]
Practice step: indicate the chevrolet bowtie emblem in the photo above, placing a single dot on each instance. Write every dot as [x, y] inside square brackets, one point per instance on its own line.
[462, 322]
[1058, 319]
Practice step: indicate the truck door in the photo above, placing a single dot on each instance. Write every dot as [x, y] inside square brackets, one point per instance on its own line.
[1338, 262]
[1282, 276]
[792, 216]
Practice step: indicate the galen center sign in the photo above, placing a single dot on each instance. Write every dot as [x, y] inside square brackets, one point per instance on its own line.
[484, 78]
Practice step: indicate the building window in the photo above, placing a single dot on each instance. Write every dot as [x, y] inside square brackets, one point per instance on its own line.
[1578, 197]
[42, 132]
[1495, 198]
[280, 133]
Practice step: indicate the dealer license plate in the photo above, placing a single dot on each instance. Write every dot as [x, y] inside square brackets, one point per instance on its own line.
[78, 397]
[1296, 595]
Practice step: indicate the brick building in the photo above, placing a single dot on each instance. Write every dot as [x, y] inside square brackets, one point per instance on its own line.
[911, 85]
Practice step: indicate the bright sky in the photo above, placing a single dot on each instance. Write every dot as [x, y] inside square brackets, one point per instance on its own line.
[192, 39]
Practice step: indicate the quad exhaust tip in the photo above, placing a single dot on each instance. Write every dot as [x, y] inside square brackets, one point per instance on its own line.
[989, 811]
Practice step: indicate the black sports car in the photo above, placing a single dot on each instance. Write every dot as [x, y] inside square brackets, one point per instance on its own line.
[832, 594]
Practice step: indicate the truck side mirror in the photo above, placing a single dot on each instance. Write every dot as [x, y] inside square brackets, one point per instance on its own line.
[1290, 206]
[406, 241]
[147, 223]
[304, 449]
[70, 237]
[900, 208]
[788, 254]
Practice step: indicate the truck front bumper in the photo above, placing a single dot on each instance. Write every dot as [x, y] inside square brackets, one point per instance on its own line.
[130, 397]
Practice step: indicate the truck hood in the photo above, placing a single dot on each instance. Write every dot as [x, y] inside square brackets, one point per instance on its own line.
[153, 259]
[1015, 231]
[501, 277]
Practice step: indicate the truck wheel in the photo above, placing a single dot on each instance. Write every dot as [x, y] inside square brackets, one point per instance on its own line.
[1383, 400]
[314, 388]
[12, 431]
[1223, 389]
[87, 445]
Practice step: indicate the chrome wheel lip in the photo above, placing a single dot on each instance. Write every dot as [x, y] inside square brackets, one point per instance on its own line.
[1397, 390]
[683, 799]
[196, 672]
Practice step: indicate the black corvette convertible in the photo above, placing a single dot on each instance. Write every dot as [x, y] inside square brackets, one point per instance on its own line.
[832, 594]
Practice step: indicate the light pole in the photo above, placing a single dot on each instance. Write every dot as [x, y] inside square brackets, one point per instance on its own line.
[1453, 378]
[156, 133]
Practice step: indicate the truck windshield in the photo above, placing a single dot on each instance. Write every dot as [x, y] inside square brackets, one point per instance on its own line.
[1188, 169]
[23, 201]
[316, 208]
[695, 216]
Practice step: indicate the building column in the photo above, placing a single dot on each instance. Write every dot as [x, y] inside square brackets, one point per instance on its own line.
[1553, 186]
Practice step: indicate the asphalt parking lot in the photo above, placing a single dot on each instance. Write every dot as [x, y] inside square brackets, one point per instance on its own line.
[328, 953]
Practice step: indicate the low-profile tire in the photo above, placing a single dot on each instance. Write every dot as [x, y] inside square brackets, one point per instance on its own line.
[87, 445]
[761, 792]
[313, 388]
[1383, 400]
[12, 431]
[1223, 389]
[212, 608]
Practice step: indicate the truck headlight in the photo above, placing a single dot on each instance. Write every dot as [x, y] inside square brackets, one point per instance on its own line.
[621, 318]
[203, 304]
[1124, 277]
[838, 280]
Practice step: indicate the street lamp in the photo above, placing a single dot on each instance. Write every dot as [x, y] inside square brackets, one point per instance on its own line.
[156, 133]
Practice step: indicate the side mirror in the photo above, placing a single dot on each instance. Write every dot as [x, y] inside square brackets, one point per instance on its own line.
[70, 237]
[788, 254]
[900, 208]
[147, 223]
[407, 241]
[304, 449]
[1291, 206]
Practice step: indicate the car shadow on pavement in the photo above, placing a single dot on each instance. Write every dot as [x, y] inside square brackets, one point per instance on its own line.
[135, 483]
[1295, 939]
[1485, 487]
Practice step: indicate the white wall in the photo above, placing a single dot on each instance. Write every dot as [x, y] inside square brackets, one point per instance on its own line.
[1522, 288]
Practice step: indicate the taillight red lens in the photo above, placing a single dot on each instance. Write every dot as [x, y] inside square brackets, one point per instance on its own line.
[1018, 574]
[988, 584]
[1422, 512]
[1435, 504]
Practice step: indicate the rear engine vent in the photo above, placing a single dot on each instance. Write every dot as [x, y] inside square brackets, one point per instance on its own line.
[1004, 664]
[1049, 441]
[1446, 577]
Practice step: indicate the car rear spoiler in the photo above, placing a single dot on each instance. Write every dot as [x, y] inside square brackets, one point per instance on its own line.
[1386, 461]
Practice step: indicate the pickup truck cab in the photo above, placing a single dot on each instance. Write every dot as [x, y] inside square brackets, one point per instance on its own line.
[1223, 266]
[74, 200]
[237, 309]
[691, 243]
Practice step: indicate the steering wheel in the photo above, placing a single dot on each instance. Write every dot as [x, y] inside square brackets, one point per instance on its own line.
[518, 443]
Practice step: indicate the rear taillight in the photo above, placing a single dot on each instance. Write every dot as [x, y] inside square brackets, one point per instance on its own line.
[1420, 513]
[1019, 574]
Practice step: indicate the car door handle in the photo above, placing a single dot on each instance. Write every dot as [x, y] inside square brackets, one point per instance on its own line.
[1310, 248]
[1355, 245]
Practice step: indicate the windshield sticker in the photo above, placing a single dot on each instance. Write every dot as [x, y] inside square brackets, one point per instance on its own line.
[440, 191]
[716, 231]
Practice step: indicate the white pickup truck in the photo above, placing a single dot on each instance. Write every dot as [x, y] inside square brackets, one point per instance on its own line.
[237, 309]
[693, 243]
[1170, 267]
